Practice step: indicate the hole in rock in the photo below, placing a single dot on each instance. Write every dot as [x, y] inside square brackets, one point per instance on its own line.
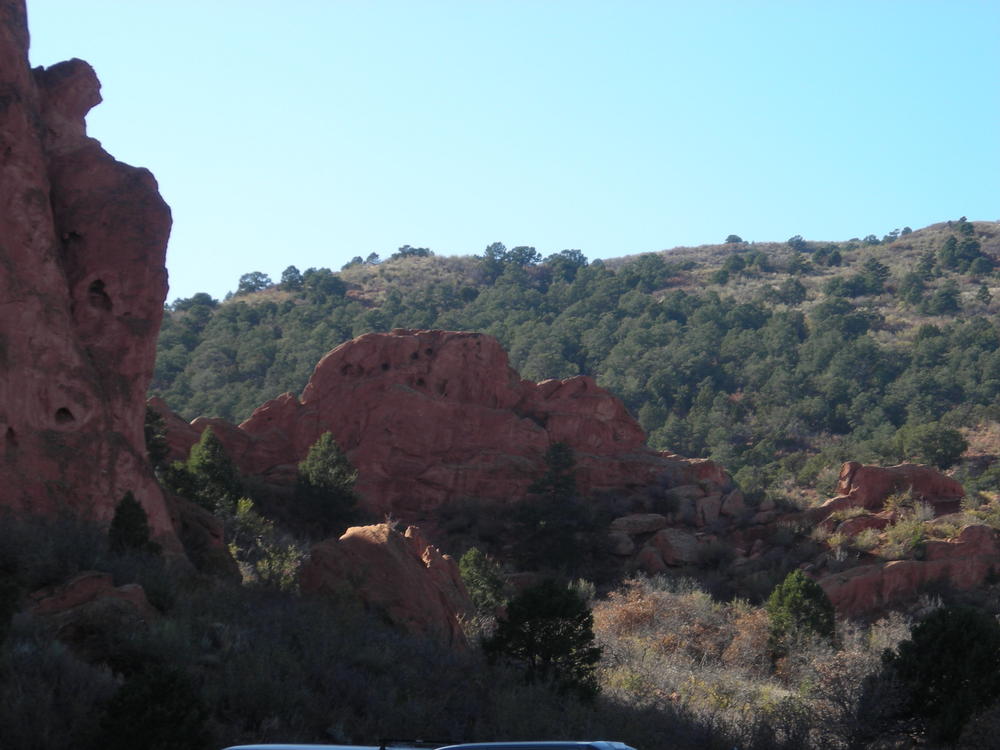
[415, 355]
[421, 382]
[64, 416]
[429, 352]
[385, 366]
[97, 296]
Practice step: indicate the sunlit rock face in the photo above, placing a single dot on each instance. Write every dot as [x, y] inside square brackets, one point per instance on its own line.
[431, 417]
[396, 573]
[82, 283]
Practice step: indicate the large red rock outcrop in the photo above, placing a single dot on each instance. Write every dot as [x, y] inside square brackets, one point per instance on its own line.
[401, 575]
[82, 283]
[962, 564]
[433, 416]
[868, 487]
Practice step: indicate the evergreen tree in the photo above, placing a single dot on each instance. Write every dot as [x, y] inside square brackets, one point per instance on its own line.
[983, 294]
[798, 605]
[129, 530]
[155, 431]
[949, 668]
[216, 482]
[559, 480]
[291, 279]
[251, 282]
[549, 634]
[483, 578]
[324, 492]
[933, 444]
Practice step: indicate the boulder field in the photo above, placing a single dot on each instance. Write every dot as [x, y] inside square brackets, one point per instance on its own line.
[82, 282]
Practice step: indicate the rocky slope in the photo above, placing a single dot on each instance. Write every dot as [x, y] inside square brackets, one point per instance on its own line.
[82, 282]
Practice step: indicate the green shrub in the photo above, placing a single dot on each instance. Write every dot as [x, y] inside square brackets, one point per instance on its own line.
[266, 555]
[798, 604]
[484, 580]
[866, 541]
[933, 444]
[904, 538]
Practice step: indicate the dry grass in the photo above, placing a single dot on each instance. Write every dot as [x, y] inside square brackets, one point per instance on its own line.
[670, 646]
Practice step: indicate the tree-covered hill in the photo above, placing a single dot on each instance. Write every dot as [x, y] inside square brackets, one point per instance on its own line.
[778, 359]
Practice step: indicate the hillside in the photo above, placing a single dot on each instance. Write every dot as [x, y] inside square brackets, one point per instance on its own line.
[780, 360]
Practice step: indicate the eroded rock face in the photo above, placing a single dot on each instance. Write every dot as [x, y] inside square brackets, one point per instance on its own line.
[869, 589]
[82, 283]
[428, 417]
[399, 574]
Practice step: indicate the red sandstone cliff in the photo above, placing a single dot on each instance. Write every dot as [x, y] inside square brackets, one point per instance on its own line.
[82, 283]
[428, 417]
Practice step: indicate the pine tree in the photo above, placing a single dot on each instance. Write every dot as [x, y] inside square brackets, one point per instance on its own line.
[324, 492]
[129, 530]
[798, 604]
[484, 580]
[549, 633]
[217, 482]
[949, 668]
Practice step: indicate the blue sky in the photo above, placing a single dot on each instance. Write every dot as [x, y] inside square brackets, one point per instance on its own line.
[306, 132]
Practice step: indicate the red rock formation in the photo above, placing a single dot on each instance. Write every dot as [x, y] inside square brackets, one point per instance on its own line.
[88, 612]
[869, 486]
[869, 589]
[401, 575]
[82, 284]
[433, 416]
[85, 588]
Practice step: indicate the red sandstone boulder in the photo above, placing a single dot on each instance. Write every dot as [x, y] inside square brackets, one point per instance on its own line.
[82, 284]
[401, 575]
[676, 546]
[431, 417]
[89, 613]
[650, 561]
[869, 486]
[87, 587]
[868, 589]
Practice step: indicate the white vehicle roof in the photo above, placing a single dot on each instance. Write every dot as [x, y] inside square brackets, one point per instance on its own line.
[546, 745]
[525, 745]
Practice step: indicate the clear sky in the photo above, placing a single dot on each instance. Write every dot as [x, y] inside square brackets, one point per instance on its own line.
[306, 132]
